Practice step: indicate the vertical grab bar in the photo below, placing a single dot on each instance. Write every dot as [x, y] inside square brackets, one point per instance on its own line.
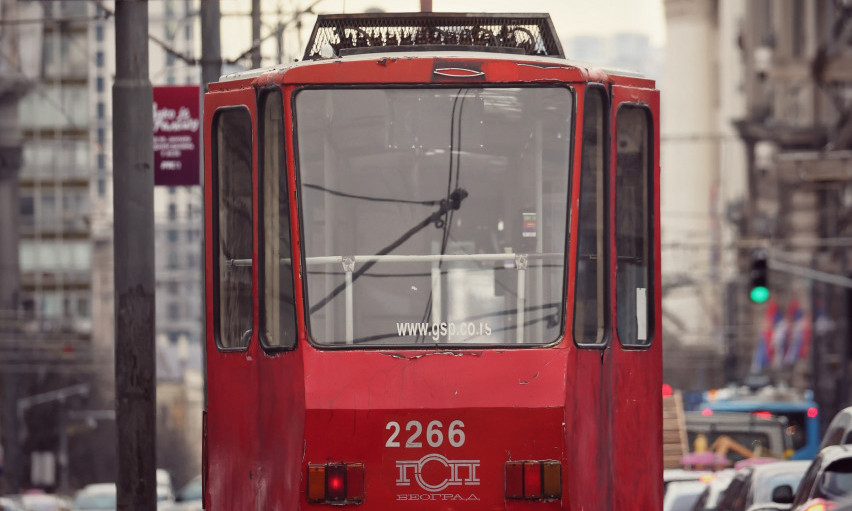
[348, 267]
[521, 304]
[436, 293]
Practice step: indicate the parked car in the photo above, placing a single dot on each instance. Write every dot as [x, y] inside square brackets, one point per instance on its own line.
[839, 430]
[827, 479]
[96, 497]
[671, 475]
[682, 495]
[709, 499]
[775, 483]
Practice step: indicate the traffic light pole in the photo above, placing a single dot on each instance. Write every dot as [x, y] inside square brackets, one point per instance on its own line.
[810, 273]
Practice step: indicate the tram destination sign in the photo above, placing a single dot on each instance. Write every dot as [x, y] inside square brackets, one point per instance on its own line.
[176, 135]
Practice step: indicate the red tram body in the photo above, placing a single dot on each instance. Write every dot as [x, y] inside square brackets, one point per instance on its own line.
[433, 277]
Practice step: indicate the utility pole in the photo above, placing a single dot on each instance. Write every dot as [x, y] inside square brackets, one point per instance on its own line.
[12, 86]
[211, 69]
[255, 34]
[133, 181]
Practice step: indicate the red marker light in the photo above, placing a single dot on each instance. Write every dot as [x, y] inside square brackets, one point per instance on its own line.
[706, 412]
[813, 412]
[335, 487]
[532, 480]
[762, 415]
[667, 390]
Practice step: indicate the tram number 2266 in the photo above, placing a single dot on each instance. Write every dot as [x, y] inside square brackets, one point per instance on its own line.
[434, 434]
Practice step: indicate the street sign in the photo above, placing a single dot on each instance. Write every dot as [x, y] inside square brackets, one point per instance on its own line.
[177, 130]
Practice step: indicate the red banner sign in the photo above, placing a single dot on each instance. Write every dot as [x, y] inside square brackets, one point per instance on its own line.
[177, 130]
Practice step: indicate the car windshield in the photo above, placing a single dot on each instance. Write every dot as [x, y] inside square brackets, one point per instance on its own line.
[836, 481]
[434, 215]
[785, 473]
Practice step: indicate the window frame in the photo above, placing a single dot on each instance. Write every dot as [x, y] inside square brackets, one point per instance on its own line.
[650, 274]
[263, 96]
[571, 90]
[215, 273]
[606, 103]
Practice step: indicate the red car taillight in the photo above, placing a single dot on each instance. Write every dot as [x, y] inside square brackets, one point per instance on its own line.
[533, 480]
[336, 483]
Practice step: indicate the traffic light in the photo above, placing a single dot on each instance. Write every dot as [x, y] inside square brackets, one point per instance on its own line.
[759, 277]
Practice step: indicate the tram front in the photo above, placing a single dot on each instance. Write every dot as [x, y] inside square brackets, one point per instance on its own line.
[431, 274]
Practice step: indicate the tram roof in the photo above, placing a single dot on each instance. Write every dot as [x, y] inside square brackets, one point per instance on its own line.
[587, 68]
[527, 38]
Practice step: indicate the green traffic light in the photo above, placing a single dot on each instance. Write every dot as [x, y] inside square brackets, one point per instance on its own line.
[759, 294]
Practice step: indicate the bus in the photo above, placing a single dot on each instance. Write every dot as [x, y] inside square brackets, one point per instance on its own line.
[799, 409]
[433, 274]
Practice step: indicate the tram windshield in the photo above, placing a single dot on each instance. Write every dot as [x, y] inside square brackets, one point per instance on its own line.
[434, 216]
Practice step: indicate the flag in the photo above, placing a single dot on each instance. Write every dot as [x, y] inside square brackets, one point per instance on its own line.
[780, 328]
[764, 352]
[800, 334]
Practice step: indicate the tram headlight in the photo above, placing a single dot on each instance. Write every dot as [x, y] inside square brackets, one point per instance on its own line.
[336, 483]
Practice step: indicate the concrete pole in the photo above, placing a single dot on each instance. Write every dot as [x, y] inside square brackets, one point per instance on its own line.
[133, 181]
[255, 33]
[211, 70]
[10, 165]
[211, 44]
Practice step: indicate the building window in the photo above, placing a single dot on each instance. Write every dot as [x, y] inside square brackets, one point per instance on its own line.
[100, 84]
[99, 29]
[172, 211]
[101, 110]
[99, 59]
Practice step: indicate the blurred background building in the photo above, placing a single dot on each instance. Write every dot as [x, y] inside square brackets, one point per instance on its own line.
[58, 307]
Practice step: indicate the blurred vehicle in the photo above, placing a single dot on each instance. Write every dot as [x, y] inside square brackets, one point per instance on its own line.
[188, 498]
[682, 495]
[709, 498]
[775, 483]
[739, 435]
[839, 430]
[7, 504]
[42, 502]
[671, 475]
[828, 479]
[95, 497]
[800, 410]
[733, 498]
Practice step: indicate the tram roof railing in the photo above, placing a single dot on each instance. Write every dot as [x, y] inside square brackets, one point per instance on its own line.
[341, 34]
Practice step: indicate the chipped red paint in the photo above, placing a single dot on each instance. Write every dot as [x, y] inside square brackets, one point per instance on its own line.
[597, 411]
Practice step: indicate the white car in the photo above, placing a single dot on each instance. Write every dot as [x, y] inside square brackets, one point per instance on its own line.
[96, 497]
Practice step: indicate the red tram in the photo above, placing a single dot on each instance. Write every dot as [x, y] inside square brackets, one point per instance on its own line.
[434, 274]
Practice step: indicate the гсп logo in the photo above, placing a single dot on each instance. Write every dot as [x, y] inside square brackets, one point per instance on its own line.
[456, 472]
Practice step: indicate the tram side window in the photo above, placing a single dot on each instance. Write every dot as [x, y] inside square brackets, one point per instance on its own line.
[634, 300]
[233, 229]
[278, 312]
[590, 293]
